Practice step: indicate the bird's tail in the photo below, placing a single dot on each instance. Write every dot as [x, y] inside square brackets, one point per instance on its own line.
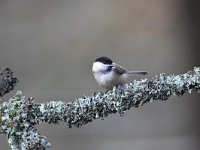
[137, 72]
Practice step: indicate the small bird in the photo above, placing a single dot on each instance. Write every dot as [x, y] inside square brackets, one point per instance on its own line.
[109, 74]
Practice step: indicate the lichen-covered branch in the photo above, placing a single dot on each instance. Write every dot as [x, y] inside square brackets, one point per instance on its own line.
[7, 81]
[19, 115]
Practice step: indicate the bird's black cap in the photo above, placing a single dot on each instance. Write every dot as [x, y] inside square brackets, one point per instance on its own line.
[104, 60]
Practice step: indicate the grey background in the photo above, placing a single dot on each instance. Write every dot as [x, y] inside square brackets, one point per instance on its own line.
[50, 45]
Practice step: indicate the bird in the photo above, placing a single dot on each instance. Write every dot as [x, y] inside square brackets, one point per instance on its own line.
[109, 74]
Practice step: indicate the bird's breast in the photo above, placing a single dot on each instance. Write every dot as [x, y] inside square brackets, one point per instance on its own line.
[108, 80]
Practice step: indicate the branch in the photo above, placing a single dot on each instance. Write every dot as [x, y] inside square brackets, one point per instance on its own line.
[7, 81]
[19, 115]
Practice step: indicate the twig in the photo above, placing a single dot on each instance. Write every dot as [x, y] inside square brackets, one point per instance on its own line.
[7, 81]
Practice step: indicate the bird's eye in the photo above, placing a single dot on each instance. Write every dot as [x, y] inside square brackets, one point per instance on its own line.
[109, 68]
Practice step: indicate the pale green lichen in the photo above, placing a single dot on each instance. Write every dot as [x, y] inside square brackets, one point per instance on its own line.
[19, 115]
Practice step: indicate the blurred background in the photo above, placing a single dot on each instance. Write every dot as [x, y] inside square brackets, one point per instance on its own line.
[50, 45]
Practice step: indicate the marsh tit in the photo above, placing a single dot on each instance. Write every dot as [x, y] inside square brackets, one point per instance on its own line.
[109, 74]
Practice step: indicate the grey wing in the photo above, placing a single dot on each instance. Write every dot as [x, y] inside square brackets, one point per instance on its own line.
[118, 69]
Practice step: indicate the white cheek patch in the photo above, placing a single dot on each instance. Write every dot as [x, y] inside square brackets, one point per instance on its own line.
[97, 66]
